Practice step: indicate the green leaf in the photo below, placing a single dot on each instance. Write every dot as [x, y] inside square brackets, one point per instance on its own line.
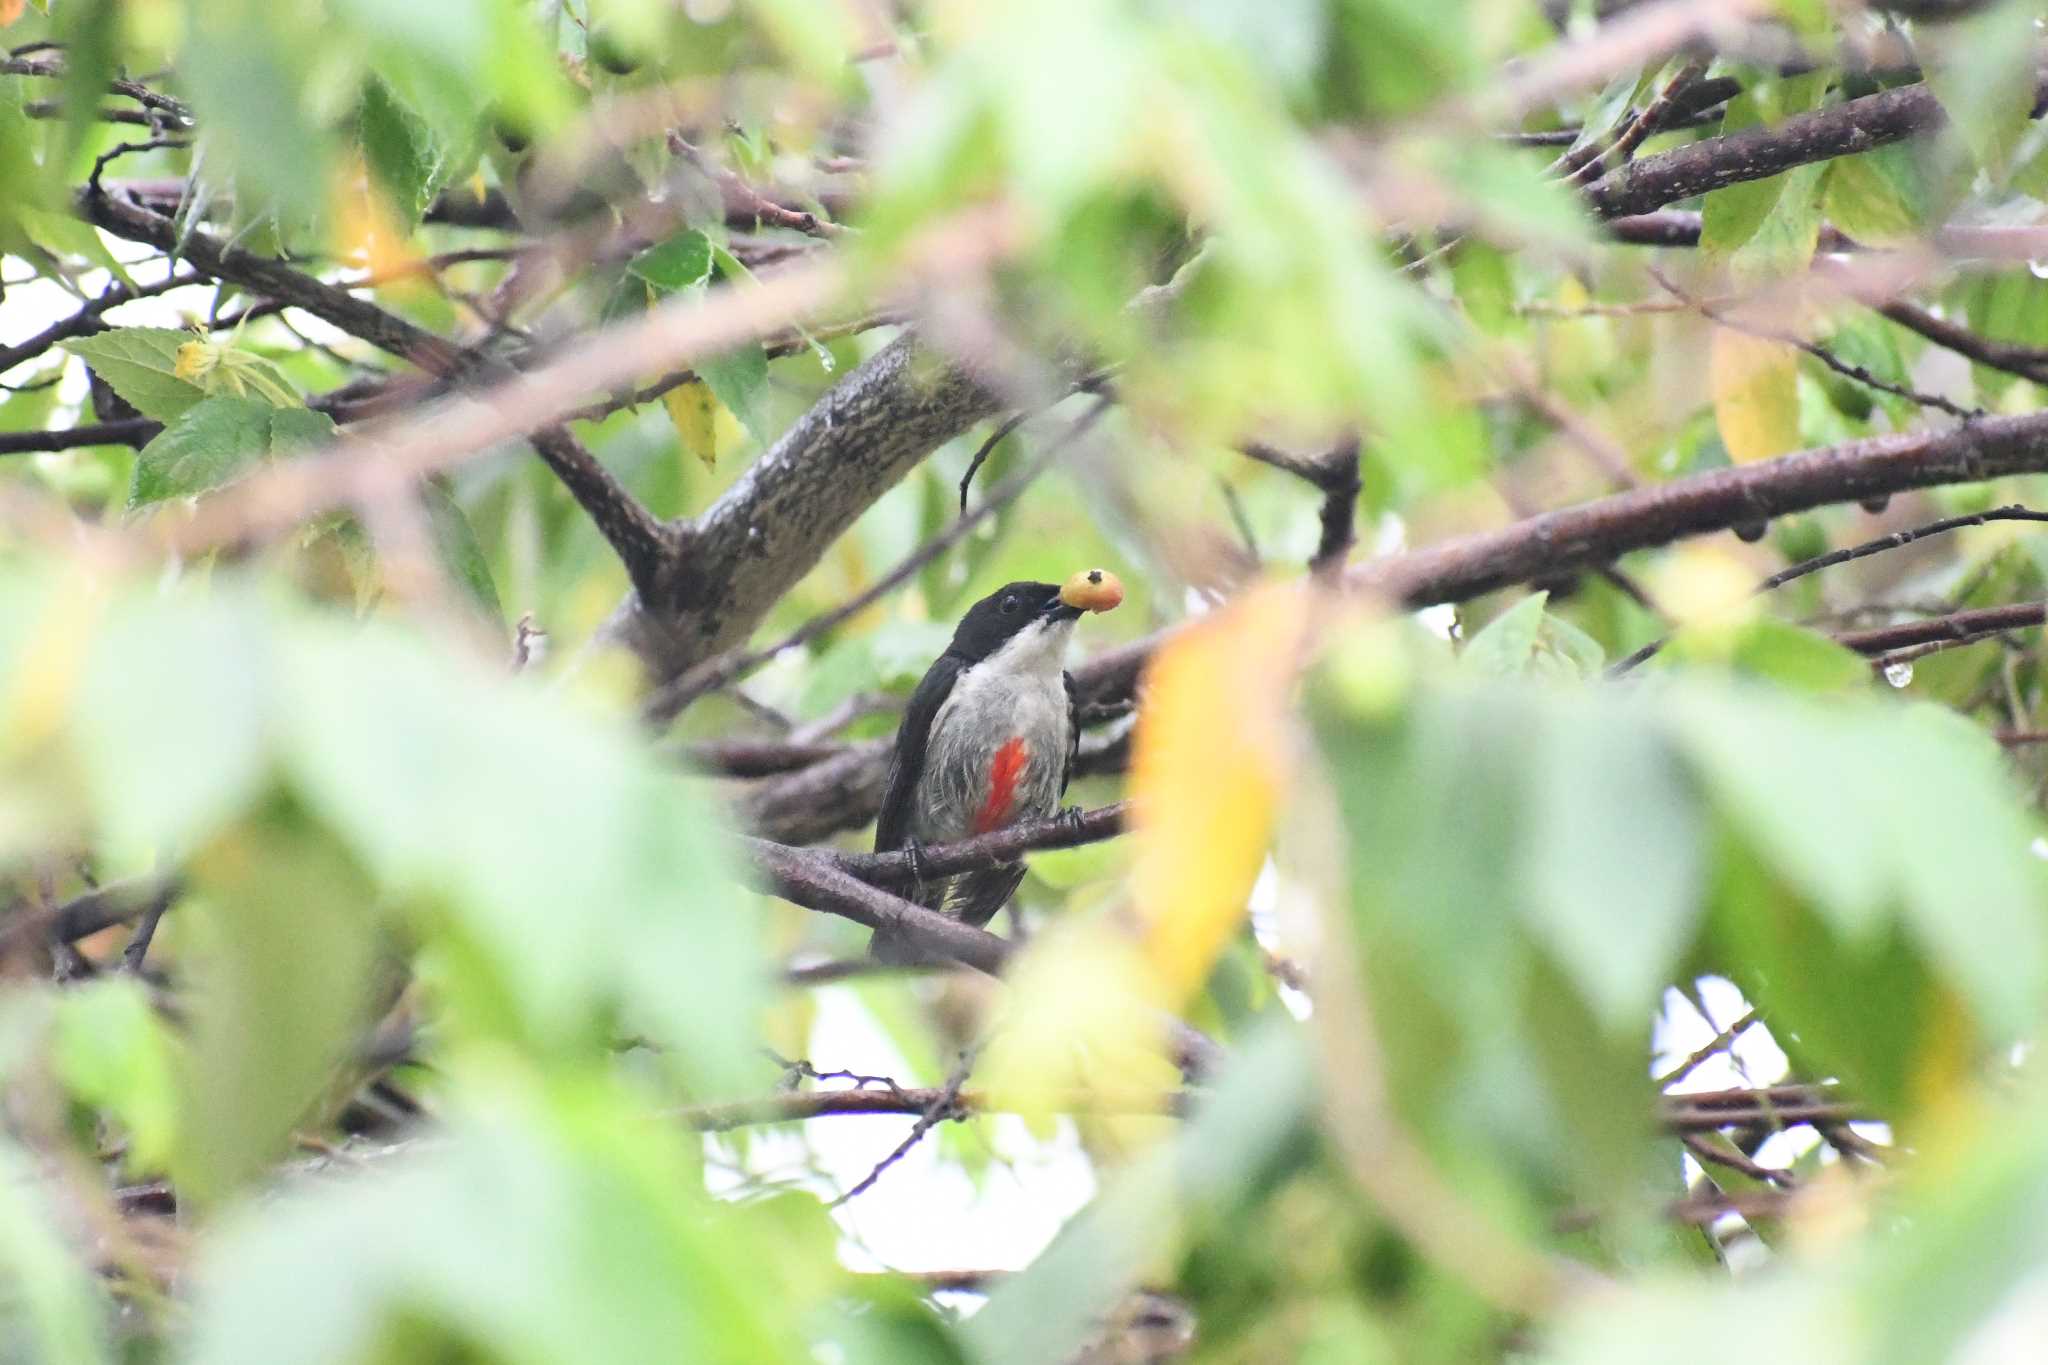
[51, 1305]
[506, 806]
[1802, 660]
[681, 262]
[739, 379]
[217, 439]
[114, 1052]
[202, 448]
[1981, 68]
[655, 1274]
[166, 764]
[249, 70]
[400, 151]
[456, 544]
[296, 429]
[1731, 216]
[1612, 860]
[279, 938]
[1504, 647]
[1880, 198]
[90, 32]
[19, 166]
[64, 235]
[140, 364]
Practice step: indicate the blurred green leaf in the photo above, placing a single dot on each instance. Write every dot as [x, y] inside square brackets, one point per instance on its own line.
[543, 1226]
[1880, 197]
[511, 809]
[167, 763]
[51, 1306]
[1613, 860]
[282, 933]
[456, 543]
[113, 1052]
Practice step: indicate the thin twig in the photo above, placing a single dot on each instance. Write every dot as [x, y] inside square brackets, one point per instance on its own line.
[1718, 1044]
[945, 1106]
[1817, 351]
[1895, 540]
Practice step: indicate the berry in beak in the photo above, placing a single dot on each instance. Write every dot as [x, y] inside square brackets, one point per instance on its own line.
[1092, 590]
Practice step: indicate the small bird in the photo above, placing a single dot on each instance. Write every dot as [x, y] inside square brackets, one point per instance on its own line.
[988, 740]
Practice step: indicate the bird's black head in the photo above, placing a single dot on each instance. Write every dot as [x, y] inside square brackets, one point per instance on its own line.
[993, 621]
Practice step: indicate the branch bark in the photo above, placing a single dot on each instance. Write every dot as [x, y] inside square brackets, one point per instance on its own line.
[771, 527]
[1759, 152]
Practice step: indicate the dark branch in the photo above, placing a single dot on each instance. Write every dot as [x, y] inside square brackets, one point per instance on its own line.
[1599, 532]
[86, 915]
[1895, 541]
[1759, 152]
[987, 850]
[273, 278]
[811, 880]
[88, 319]
[637, 536]
[133, 431]
[1956, 628]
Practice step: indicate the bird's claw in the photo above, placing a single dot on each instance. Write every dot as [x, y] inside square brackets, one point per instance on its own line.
[914, 849]
[1073, 821]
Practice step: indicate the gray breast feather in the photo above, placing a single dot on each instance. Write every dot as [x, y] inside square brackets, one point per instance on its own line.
[984, 711]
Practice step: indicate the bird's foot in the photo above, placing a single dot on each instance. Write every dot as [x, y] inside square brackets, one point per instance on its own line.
[1073, 821]
[919, 870]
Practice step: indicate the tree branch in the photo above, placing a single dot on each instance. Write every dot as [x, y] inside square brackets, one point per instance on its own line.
[1773, 1107]
[1759, 152]
[810, 879]
[1961, 627]
[987, 850]
[272, 278]
[643, 544]
[84, 916]
[1601, 531]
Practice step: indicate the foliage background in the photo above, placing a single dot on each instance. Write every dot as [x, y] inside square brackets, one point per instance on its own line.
[482, 476]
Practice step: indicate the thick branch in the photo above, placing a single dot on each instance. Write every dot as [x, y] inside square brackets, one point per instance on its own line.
[1599, 532]
[1759, 152]
[811, 880]
[771, 528]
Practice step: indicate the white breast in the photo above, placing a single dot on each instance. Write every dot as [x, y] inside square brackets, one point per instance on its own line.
[1018, 692]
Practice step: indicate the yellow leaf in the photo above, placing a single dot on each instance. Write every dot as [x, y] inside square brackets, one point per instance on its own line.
[368, 229]
[10, 10]
[1756, 394]
[1208, 763]
[695, 414]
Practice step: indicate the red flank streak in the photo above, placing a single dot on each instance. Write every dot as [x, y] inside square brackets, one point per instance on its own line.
[1003, 772]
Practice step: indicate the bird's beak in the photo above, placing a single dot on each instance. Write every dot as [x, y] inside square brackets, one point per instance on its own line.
[1091, 590]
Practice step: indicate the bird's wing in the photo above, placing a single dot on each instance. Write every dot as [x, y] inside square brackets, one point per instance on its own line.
[1073, 733]
[892, 825]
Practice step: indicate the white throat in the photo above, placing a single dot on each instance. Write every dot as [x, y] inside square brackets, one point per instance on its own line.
[1038, 650]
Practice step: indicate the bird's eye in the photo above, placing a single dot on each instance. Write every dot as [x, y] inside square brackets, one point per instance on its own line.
[1010, 604]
